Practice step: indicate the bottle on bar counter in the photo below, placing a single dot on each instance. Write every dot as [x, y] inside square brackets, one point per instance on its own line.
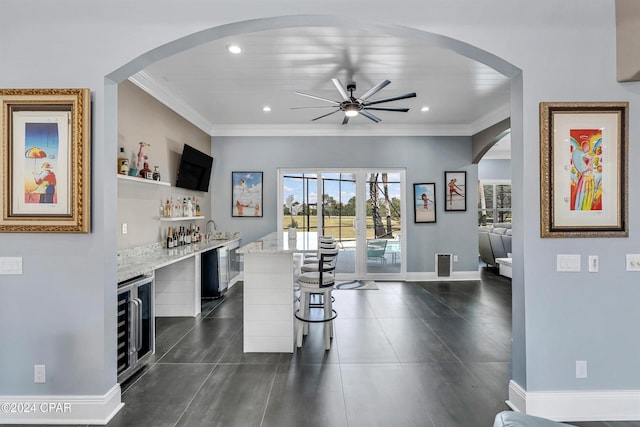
[169, 238]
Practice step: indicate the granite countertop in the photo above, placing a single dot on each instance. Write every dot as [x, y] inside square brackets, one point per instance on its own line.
[144, 259]
[278, 243]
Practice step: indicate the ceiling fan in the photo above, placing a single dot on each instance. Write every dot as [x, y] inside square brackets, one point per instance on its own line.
[352, 106]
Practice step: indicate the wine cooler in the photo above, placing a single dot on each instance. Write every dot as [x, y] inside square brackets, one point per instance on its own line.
[136, 325]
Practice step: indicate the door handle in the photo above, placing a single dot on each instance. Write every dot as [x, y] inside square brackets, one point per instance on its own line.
[139, 333]
[133, 326]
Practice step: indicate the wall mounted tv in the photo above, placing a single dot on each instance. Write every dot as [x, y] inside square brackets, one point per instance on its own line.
[195, 169]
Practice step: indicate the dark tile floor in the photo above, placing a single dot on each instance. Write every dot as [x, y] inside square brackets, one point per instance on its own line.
[433, 354]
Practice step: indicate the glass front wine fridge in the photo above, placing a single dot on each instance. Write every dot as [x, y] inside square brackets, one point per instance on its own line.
[136, 325]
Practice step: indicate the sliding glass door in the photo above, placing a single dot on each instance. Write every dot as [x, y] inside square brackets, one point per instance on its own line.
[383, 223]
[361, 209]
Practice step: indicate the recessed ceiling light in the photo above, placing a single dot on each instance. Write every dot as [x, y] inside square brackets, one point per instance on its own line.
[266, 108]
[425, 108]
[234, 48]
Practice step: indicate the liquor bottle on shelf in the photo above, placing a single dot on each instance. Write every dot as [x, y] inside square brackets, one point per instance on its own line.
[197, 203]
[156, 173]
[169, 238]
[167, 209]
[123, 163]
[189, 207]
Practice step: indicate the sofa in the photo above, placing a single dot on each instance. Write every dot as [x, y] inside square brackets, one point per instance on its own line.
[494, 242]
[517, 419]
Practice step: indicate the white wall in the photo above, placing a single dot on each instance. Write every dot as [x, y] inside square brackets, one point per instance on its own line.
[61, 311]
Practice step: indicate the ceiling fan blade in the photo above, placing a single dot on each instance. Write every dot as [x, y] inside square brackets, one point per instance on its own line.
[325, 115]
[373, 90]
[340, 88]
[317, 106]
[403, 110]
[345, 120]
[370, 116]
[318, 98]
[394, 98]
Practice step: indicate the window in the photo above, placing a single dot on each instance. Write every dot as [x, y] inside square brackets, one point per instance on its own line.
[494, 202]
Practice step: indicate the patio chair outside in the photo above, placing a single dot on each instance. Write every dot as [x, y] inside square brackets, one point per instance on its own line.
[376, 249]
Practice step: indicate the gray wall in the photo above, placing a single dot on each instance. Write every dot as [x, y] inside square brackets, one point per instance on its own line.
[489, 169]
[425, 160]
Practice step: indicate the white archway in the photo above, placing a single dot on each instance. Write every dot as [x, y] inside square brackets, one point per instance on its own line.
[465, 49]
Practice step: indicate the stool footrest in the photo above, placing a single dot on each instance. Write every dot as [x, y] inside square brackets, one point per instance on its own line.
[335, 314]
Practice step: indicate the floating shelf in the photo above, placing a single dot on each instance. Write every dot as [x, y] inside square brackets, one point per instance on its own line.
[142, 180]
[182, 218]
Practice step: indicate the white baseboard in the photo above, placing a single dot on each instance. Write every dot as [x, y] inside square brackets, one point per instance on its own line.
[599, 405]
[60, 409]
[432, 277]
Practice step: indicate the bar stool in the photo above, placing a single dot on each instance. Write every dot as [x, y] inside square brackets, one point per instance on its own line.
[320, 282]
[324, 242]
[330, 250]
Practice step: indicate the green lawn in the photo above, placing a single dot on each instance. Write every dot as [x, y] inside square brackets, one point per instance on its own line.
[333, 224]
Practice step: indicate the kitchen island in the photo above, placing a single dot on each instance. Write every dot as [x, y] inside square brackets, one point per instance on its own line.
[270, 266]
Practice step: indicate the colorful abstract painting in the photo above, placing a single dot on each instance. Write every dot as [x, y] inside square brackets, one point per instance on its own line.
[586, 169]
[41, 152]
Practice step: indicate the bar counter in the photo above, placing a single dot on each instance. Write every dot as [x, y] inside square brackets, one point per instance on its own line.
[270, 264]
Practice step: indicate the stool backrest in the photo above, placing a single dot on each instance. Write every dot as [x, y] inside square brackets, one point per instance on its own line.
[327, 265]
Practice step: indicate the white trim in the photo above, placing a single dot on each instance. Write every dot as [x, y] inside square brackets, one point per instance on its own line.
[318, 129]
[456, 276]
[61, 409]
[576, 405]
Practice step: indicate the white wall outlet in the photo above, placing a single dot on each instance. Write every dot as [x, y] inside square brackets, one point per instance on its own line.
[581, 369]
[568, 263]
[39, 374]
[124, 228]
[455, 258]
[633, 262]
[594, 264]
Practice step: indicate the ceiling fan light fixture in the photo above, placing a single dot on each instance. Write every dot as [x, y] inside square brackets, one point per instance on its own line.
[234, 48]
[351, 110]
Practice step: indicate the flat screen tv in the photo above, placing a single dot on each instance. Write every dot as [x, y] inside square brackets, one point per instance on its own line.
[194, 171]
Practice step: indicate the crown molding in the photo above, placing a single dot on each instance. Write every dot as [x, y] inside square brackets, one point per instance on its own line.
[145, 82]
[338, 130]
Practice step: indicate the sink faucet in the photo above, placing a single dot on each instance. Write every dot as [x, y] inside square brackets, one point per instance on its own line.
[215, 227]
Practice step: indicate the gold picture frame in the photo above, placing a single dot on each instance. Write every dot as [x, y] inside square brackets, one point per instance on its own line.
[583, 169]
[46, 160]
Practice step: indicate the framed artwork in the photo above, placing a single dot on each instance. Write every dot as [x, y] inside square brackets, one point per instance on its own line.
[583, 169]
[424, 202]
[455, 191]
[45, 160]
[246, 191]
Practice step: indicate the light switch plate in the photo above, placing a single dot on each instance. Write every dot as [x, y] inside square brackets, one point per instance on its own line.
[568, 263]
[633, 262]
[11, 265]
